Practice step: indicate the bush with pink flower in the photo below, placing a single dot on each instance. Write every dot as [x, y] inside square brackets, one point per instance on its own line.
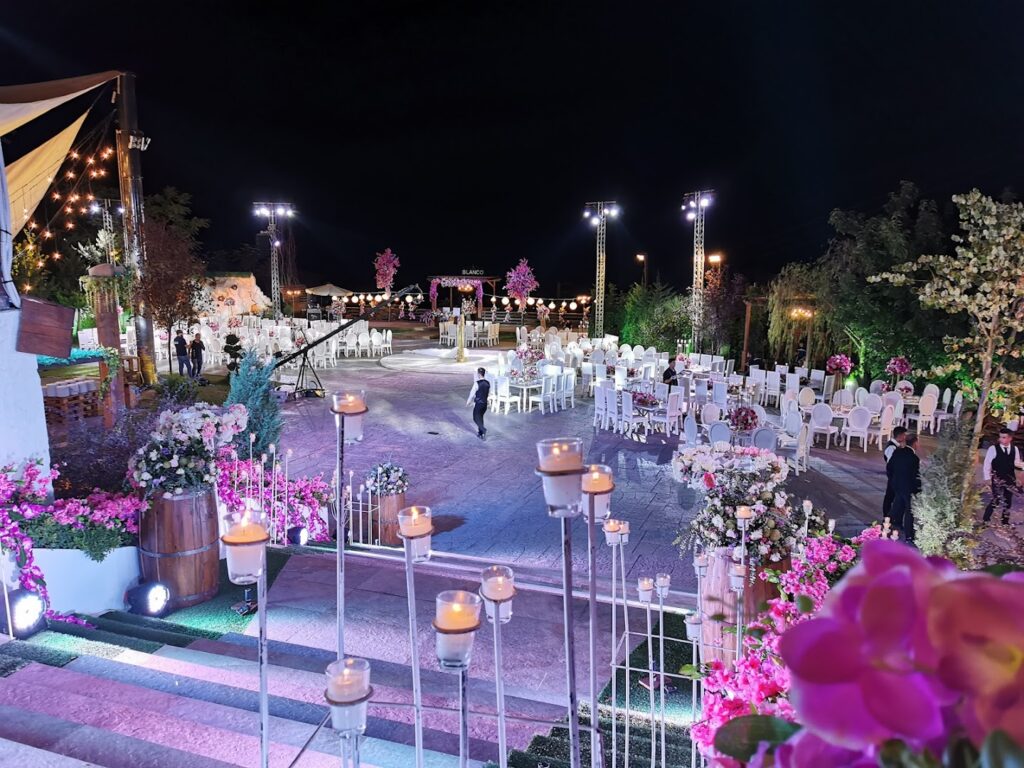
[520, 282]
[386, 267]
[839, 364]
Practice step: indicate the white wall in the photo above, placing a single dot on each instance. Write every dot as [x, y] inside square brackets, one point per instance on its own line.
[22, 419]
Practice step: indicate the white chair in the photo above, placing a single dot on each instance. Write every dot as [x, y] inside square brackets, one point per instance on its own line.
[709, 414]
[629, 419]
[827, 386]
[690, 430]
[790, 400]
[904, 383]
[600, 408]
[817, 379]
[376, 344]
[762, 417]
[505, 397]
[720, 432]
[857, 422]
[873, 403]
[700, 391]
[942, 415]
[764, 438]
[611, 408]
[387, 342]
[801, 452]
[364, 344]
[806, 398]
[821, 423]
[720, 394]
[568, 391]
[587, 376]
[800, 372]
[773, 390]
[669, 418]
[782, 370]
[792, 381]
[546, 396]
[620, 376]
[597, 358]
[876, 387]
[791, 424]
[883, 429]
[859, 395]
[925, 414]
[661, 391]
[932, 389]
[843, 398]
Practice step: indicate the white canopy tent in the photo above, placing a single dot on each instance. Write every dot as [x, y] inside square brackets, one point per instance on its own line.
[328, 289]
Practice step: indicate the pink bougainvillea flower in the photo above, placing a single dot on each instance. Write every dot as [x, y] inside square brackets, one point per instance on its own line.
[977, 627]
[806, 750]
[709, 480]
[860, 670]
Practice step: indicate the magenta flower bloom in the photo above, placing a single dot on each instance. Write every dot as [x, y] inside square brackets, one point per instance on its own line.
[806, 750]
[861, 671]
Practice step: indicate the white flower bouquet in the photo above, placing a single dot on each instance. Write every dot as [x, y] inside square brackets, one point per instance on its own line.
[387, 479]
[181, 450]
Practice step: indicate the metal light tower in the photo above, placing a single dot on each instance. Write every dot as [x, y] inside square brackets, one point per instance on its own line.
[694, 204]
[598, 214]
[271, 212]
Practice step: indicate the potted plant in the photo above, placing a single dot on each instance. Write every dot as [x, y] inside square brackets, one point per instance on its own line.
[178, 535]
[389, 482]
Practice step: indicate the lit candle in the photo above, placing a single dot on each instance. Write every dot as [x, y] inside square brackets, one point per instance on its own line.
[744, 513]
[561, 492]
[415, 524]
[351, 406]
[456, 612]
[624, 532]
[498, 583]
[737, 576]
[693, 623]
[598, 482]
[700, 564]
[246, 544]
[611, 532]
[645, 588]
[662, 582]
[348, 681]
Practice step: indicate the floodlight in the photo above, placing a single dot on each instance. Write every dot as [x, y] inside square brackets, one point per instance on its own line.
[27, 614]
[298, 535]
[690, 215]
[151, 598]
[705, 202]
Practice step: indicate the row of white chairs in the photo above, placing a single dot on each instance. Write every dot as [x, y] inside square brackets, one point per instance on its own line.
[477, 334]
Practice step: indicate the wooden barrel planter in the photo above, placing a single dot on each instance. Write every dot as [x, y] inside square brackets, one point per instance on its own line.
[178, 546]
[718, 625]
[386, 526]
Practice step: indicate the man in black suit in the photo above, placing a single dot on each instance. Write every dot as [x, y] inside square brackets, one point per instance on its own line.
[897, 440]
[904, 472]
[670, 376]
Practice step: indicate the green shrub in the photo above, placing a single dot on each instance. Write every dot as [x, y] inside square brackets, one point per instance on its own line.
[250, 386]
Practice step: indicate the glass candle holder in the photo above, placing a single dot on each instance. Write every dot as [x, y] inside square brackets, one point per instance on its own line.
[737, 576]
[693, 627]
[416, 525]
[612, 528]
[245, 545]
[498, 587]
[700, 565]
[662, 582]
[624, 532]
[560, 465]
[456, 620]
[598, 482]
[350, 406]
[645, 588]
[743, 517]
[348, 692]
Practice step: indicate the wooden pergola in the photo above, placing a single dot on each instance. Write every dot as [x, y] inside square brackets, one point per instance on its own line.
[457, 282]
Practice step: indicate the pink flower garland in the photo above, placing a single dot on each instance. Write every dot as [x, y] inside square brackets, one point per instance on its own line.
[386, 264]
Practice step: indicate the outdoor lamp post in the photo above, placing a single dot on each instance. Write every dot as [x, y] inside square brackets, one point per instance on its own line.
[245, 546]
[642, 258]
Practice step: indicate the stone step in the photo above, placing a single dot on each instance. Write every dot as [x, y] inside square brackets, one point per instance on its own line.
[148, 633]
[94, 746]
[148, 621]
[13, 753]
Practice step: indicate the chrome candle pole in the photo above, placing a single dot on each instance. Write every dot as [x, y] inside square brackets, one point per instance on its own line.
[343, 405]
[645, 591]
[694, 629]
[597, 487]
[497, 588]
[623, 541]
[416, 529]
[662, 582]
[743, 517]
[561, 470]
[611, 538]
[457, 620]
[245, 545]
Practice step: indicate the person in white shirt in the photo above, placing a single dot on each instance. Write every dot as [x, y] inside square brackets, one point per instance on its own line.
[478, 399]
[1000, 469]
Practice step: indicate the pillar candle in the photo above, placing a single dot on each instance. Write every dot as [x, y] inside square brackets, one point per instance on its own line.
[561, 492]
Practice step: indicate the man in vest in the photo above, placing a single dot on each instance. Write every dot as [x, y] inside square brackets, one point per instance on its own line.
[478, 399]
[897, 439]
[1001, 463]
[904, 471]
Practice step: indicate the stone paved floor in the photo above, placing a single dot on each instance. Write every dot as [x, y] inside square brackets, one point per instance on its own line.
[486, 499]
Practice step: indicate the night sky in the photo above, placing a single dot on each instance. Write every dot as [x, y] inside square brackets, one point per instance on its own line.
[470, 134]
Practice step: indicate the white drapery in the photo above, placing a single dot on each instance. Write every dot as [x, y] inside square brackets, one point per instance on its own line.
[18, 105]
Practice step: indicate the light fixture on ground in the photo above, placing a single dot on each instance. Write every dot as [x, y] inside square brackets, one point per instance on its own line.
[24, 614]
[298, 535]
[245, 546]
[695, 204]
[348, 692]
[150, 598]
[598, 213]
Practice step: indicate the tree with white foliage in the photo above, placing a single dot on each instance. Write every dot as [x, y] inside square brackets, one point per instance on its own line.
[984, 281]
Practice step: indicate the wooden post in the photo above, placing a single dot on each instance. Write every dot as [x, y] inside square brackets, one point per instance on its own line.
[746, 338]
[103, 293]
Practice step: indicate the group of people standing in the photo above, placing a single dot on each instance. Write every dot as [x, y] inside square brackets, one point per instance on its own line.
[903, 472]
[189, 354]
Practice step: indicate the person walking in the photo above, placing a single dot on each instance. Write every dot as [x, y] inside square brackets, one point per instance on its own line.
[670, 376]
[897, 439]
[196, 349]
[478, 399]
[1000, 469]
[904, 472]
[181, 352]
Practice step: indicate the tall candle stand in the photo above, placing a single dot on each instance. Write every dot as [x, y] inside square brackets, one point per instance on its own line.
[694, 627]
[416, 530]
[561, 471]
[662, 582]
[497, 588]
[623, 541]
[739, 577]
[597, 486]
[612, 536]
[457, 619]
[245, 544]
[645, 591]
[343, 405]
[348, 692]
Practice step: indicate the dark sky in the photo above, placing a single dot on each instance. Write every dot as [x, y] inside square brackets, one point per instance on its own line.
[470, 134]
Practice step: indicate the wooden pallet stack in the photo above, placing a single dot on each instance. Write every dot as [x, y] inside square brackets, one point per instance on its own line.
[72, 400]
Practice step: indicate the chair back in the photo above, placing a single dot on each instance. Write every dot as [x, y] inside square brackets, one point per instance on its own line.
[876, 387]
[946, 396]
[828, 383]
[503, 388]
[627, 404]
[859, 395]
[674, 405]
[757, 376]
[782, 370]
[927, 405]
[709, 413]
[762, 417]
[931, 389]
[597, 356]
[905, 383]
[873, 403]
[701, 389]
[705, 360]
[661, 390]
[774, 381]
[720, 394]
[792, 381]
[886, 419]
[719, 433]
[821, 415]
[764, 438]
[611, 401]
[858, 418]
[800, 372]
[806, 397]
[792, 424]
[620, 376]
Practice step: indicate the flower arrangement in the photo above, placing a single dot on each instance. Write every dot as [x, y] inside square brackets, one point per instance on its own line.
[529, 357]
[898, 366]
[840, 364]
[543, 312]
[234, 322]
[646, 399]
[743, 418]
[300, 340]
[181, 451]
[905, 389]
[946, 642]
[520, 281]
[387, 479]
[386, 266]
[213, 325]
[731, 476]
